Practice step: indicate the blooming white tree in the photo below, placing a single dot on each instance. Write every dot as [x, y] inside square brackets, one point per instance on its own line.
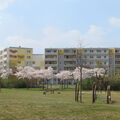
[26, 73]
[31, 74]
[64, 76]
[88, 73]
[5, 74]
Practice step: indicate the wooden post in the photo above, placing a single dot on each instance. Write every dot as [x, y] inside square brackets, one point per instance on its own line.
[108, 95]
[76, 92]
[93, 93]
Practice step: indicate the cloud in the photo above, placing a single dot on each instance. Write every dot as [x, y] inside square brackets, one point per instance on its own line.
[52, 38]
[95, 36]
[1, 19]
[4, 3]
[19, 41]
[114, 21]
[71, 1]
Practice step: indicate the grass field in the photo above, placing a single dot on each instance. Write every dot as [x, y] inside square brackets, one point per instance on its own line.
[23, 104]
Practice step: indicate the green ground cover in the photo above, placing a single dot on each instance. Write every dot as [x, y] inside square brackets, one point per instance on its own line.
[23, 104]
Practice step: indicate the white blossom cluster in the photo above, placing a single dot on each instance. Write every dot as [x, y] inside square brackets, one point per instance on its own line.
[48, 74]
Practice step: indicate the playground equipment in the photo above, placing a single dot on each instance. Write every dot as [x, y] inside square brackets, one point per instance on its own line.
[96, 96]
[100, 84]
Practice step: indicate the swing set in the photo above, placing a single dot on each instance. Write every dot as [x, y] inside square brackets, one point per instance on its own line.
[101, 84]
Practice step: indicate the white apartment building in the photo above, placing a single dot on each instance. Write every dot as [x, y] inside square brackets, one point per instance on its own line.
[38, 61]
[70, 58]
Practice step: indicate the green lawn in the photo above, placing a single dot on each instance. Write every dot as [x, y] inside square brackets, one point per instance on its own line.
[23, 104]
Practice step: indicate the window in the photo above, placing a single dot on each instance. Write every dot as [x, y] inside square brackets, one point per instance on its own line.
[55, 51]
[117, 56]
[66, 51]
[98, 50]
[105, 63]
[48, 51]
[74, 51]
[28, 51]
[91, 63]
[91, 51]
[19, 62]
[98, 56]
[91, 57]
[28, 57]
[117, 51]
[34, 62]
[117, 62]
[28, 63]
[105, 51]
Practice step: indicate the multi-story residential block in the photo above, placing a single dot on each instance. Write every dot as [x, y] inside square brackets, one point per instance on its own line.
[38, 61]
[70, 58]
[15, 56]
[117, 60]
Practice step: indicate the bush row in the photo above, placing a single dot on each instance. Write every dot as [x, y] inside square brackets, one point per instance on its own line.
[12, 82]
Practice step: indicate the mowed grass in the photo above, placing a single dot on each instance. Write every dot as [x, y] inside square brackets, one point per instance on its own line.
[23, 104]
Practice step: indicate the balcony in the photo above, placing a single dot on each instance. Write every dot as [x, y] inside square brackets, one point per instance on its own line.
[117, 59]
[95, 53]
[51, 53]
[69, 65]
[70, 59]
[52, 65]
[69, 53]
[117, 65]
[50, 59]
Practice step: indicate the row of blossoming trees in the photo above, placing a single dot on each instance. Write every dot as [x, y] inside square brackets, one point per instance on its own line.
[35, 76]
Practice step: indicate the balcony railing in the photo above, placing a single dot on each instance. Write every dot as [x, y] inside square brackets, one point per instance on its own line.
[50, 59]
[51, 53]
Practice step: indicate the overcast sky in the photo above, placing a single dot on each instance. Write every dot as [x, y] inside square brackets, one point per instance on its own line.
[59, 23]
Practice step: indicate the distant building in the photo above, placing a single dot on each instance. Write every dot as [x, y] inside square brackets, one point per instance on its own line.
[14, 57]
[67, 58]
[19, 56]
[38, 61]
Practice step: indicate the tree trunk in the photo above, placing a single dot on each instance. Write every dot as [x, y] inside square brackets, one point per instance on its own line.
[51, 83]
[47, 84]
[62, 84]
[80, 85]
[67, 83]
[76, 92]
[27, 83]
[0, 84]
[43, 84]
[78, 88]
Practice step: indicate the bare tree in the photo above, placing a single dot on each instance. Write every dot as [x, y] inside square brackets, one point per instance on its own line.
[79, 61]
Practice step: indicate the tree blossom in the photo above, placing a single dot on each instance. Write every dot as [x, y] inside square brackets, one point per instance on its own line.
[64, 75]
[87, 73]
[6, 74]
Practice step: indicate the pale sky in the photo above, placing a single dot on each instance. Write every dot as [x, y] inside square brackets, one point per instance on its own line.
[59, 23]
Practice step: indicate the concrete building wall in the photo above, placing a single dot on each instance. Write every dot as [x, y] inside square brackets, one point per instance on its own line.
[68, 58]
[38, 61]
[15, 56]
[19, 56]
[4, 59]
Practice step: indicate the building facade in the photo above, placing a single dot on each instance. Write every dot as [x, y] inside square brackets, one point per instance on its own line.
[70, 58]
[14, 57]
[38, 61]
